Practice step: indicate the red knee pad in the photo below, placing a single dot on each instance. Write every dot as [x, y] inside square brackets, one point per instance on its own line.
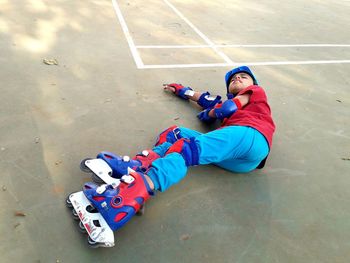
[172, 134]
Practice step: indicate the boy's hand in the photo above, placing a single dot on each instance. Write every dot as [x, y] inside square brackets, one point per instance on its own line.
[177, 89]
[205, 116]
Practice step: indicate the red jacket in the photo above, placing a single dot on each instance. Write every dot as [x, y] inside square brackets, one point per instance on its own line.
[256, 114]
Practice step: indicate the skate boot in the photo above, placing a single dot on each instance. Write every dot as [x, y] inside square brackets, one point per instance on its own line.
[106, 208]
[107, 167]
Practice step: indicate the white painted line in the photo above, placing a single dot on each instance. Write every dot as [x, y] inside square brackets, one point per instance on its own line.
[238, 46]
[187, 65]
[307, 62]
[128, 37]
[206, 39]
[172, 46]
[270, 63]
[291, 45]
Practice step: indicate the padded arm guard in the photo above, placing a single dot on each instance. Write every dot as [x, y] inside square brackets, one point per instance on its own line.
[227, 109]
[206, 101]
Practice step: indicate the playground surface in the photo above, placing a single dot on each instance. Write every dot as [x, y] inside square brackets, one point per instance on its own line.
[80, 77]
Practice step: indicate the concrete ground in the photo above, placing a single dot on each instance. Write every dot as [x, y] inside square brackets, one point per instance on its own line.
[103, 95]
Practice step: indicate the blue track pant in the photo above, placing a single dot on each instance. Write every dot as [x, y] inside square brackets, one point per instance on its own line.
[235, 148]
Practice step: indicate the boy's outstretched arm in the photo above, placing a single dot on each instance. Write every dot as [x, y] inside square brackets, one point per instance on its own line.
[182, 91]
[203, 99]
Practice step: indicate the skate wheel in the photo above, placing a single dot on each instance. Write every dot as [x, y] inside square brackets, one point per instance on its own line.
[92, 243]
[97, 179]
[141, 211]
[75, 214]
[69, 203]
[81, 227]
[83, 166]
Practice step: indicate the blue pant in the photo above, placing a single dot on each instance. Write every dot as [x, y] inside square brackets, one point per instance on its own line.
[234, 148]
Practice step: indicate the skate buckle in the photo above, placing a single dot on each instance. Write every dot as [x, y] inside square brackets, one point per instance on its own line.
[101, 189]
[115, 184]
[128, 179]
[145, 153]
[126, 158]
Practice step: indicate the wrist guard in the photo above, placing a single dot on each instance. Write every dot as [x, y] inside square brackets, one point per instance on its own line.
[181, 90]
[206, 101]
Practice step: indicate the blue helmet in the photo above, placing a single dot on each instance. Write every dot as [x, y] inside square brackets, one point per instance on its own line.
[234, 71]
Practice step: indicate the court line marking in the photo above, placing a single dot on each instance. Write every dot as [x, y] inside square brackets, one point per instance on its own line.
[195, 29]
[240, 46]
[229, 63]
[133, 49]
[268, 63]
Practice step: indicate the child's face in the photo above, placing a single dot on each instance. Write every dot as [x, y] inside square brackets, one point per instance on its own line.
[239, 82]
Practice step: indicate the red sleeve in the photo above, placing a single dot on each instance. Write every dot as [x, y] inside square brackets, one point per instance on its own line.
[257, 93]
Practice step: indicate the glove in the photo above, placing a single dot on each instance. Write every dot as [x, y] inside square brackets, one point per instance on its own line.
[180, 90]
[227, 108]
[206, 101]
[204, 116]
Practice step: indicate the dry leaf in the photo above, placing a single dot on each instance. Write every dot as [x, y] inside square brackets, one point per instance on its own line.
[50, 61]
[18, 213]
[185, 237]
